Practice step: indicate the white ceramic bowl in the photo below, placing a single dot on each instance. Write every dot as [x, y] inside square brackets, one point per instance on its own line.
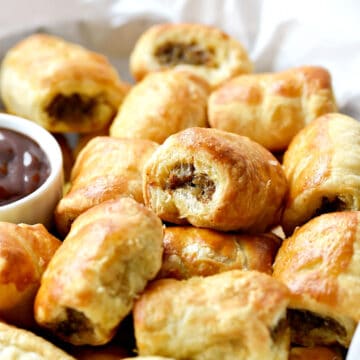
[38, 206]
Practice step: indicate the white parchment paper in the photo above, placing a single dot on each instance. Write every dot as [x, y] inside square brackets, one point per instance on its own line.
[278, 34]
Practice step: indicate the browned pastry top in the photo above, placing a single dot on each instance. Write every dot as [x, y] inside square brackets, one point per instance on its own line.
[234, 315]
[322, 168]
[271, 108]
[319, 263]
[191, 251]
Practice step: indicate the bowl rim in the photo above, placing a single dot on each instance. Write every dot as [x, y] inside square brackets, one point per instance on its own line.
[40, 136]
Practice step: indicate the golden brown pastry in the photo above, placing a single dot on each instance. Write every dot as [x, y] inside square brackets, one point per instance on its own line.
[215, 179]
[271, 108]
[314, 353]
[111, 252]
[62, 86]
[319, 263]
[204, 50]
[105, 169]
[322, 165]
[162, 104]
[19, 344]
[25, 251]
[191, 251]
[233, 315]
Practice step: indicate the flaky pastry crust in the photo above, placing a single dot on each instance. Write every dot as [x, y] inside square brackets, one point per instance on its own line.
[109, 255]
[271, 108]
[162, 104]
[60, 85]
[25, 251]
[322, 168]
[20, 344]
[106, 168]
[233, 315]
[214, 179]
[191, 251]
[319, 263]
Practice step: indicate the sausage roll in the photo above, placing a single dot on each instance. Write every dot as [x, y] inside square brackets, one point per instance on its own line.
[62, 86]
[20, 344]
[190, 251]
[204, 50]
[315, 353]
[271, 108]
[106, 168]
[215, 179]
[322, 167]
[233, 315]
[319, 263]
[170, 101]
[111, 252]
[25, 251]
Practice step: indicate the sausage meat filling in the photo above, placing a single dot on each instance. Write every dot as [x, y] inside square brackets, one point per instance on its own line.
[185, 176]
[328, 206]
[75, 322]
[171, 54]
[66, 108]
[304, 322]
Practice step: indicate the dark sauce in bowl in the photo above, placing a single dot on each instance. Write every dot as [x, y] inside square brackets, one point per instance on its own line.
[24, 166]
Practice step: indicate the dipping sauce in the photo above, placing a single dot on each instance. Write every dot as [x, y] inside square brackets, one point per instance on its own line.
[23, 166]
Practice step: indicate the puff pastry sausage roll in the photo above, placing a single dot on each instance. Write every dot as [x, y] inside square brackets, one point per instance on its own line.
[204, 50]
[21, 344]
[25, 251]
[111, 252]
[190, 251]
[170, 101]
[271, 108]
[233, 315]
[62, 86]
[214, 179]
[319, 263]
[105, 169]
[322, 165]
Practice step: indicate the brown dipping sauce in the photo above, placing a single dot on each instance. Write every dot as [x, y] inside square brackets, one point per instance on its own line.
[23, 166]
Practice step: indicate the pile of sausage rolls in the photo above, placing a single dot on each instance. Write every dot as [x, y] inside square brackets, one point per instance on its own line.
[209, 212]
